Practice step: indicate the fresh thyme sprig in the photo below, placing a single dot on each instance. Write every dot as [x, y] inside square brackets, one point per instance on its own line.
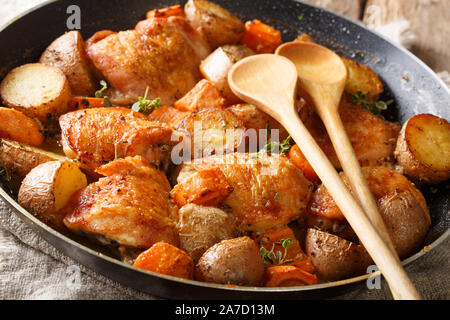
[100, 94]
[283, 146]
[271, 256]
[375, 107]
[143, 105]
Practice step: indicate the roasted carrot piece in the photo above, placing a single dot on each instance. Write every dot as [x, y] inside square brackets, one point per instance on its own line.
[299, 160]
[294, 253]
[203, 95]
[86, 102]
[14, 125]
[166, 259]
[261, 37]
[287, 276]
[206, 187]
[169, 115]
[172, 11]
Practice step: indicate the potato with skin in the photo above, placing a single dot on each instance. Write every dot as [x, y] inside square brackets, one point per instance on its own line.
[19, 158]
[423, 148]
[236, 261]
[48, 188]
[16, 126]
[37, 90]
[217, 24]
[335, 258]
[67, 54]
[201, 227]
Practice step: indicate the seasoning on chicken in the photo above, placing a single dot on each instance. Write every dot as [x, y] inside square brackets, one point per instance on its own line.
[129, 207]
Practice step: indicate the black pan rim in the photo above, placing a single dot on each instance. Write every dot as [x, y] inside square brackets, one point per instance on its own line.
[28, 217]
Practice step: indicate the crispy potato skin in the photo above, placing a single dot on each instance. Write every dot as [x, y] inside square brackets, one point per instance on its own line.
[335, 258]
[202, 227]
[401, 205]
[235, 261]
[39, 190]
[90, 136]
[267, 191]
[130, 206]
[16, 126]
[423, 149]
[67, 54]
[19, 159]
[217, 24]
[26, 88]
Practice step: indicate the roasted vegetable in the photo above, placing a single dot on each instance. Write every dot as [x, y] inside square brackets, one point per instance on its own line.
[217, 24]
[37, 90]
[423, 148]
[166, 259]
[297, 158]
[202, 227]
[67, 54]
[47, 189]
[261, 37]
[235, 261]
[16, 126]
[287, 276]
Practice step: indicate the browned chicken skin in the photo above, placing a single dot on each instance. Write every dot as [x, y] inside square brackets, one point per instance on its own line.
[268, 191]
[161, 53]
[130, 206]
[99, 135]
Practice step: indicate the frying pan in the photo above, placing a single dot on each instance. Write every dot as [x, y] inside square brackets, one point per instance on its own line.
[415, 88]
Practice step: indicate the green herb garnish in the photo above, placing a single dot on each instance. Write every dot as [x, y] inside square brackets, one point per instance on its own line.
[375, 107]
[100, 93]
[271, 256]
[144, 105]
[283, 147]
[300, 17]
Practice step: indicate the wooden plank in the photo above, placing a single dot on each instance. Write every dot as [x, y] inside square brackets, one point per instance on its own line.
[430, 22]
[351, 8]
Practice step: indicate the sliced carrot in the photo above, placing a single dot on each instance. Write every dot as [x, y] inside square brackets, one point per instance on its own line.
[14, 125]
[287, 276]
[172, 11]
[203, 95]
[206, 187]
[261, 37]
[299, 160]
[86, 102]
[294, 253]
[166, 259]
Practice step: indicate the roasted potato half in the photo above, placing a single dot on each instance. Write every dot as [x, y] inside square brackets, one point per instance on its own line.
[16, 126]
[213, 130]
[37, 90]
[19, 158]
[335, 258]
[423, 148]
[67, 54]
[48, 187]
[217, 24]
[235, 261]
[202, 227]
[362, 78]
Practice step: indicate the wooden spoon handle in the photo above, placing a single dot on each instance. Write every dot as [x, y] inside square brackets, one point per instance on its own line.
[401, 286]
[352, 169]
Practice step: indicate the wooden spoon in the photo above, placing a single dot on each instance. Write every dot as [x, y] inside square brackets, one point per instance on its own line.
[322, 75]
[269, 82]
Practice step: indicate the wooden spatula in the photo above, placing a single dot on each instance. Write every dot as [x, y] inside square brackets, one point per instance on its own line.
[269, 82]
